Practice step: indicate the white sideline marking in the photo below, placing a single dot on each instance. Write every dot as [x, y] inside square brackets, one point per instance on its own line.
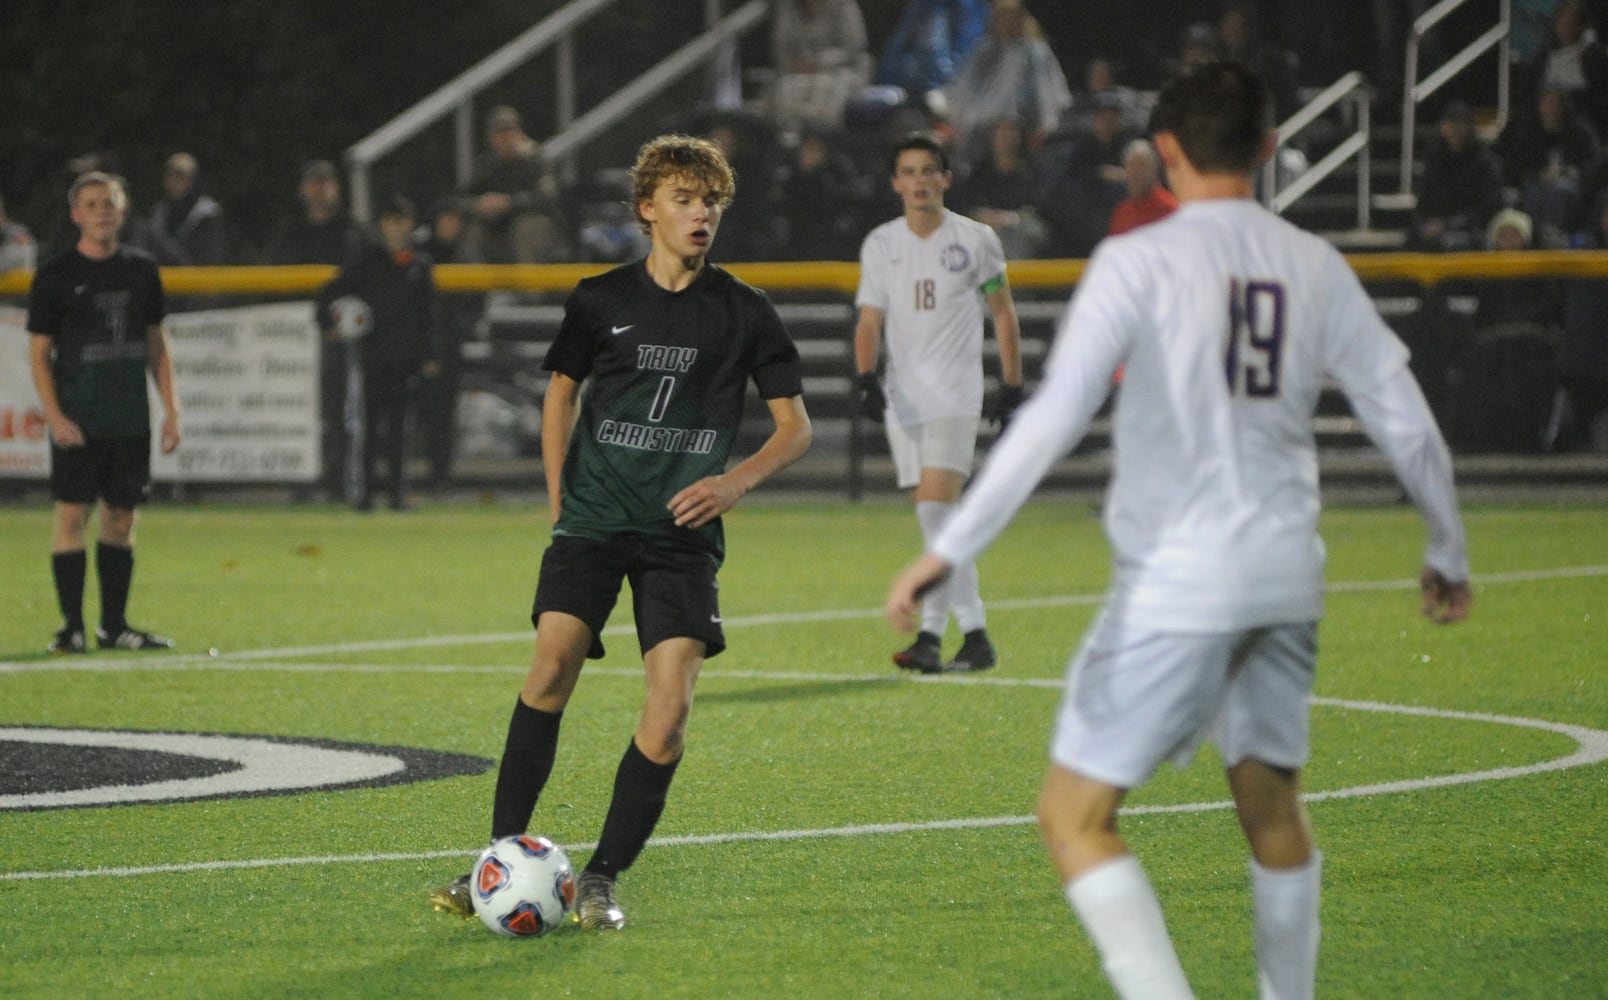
[1591, 748]
[228, 660]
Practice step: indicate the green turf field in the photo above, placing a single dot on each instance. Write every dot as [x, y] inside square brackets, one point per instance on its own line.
[836, 829]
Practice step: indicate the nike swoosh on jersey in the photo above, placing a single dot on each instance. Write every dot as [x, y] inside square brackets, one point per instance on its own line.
[616, 330]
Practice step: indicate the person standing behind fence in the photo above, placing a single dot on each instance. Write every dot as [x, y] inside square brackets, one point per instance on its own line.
[924, 279]
[321, 231]
[397, 284]
[1228, 321]
[95, 332]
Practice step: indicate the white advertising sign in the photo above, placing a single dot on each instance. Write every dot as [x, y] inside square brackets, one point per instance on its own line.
[248, 397]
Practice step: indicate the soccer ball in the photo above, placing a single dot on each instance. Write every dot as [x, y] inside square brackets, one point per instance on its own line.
[522, 886]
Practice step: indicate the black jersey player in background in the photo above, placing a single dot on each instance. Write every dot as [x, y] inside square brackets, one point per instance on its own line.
[95, 329]
[637, 482]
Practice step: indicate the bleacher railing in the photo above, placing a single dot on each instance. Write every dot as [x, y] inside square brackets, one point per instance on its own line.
[1351, 89]
[1415, 91]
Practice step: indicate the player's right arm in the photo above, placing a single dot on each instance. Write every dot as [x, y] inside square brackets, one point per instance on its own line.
[63, 430]
[560, 407]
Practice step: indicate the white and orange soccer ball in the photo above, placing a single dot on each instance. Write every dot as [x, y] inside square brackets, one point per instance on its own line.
[523, 886]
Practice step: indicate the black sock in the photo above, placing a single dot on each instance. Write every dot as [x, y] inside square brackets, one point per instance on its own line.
[115, 567]
[640, 787]
[527, 761]
[68, 569]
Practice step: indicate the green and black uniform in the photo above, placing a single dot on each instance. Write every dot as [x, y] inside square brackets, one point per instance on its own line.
[96, 314]
[669, 374]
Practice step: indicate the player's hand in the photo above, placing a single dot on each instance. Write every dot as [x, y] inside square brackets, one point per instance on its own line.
[869, 397]
[1006, 402]
[65, 433]
[171, 435]
[904, 597]
[1444, 602]
[705, 500]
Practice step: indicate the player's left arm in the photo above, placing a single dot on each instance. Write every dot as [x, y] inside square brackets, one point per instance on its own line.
[159, 361]
[1007, 330]
[712, 496]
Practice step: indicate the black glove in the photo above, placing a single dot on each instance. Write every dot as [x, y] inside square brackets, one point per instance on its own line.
[869, 398]
[1006, 401]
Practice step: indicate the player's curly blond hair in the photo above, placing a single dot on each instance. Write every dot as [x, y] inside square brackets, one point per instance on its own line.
[670, 157]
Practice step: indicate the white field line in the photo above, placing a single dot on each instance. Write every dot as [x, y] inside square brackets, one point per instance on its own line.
[1591, 748]
[1591, 744]
[233, 660]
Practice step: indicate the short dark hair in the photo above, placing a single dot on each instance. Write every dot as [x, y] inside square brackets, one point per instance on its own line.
[1220, 112]
[397, 204]
[918, 140]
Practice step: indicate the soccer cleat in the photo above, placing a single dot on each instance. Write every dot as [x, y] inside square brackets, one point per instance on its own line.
[920, 655]
[595, 905]
[454, 898]
[129, 637]
[975, 653]
[68, 640]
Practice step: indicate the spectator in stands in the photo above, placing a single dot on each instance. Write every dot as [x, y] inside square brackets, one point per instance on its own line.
[513, 200]
[321, 231]
[397, 284]
[930, 43]
[1198, 45]
[750, 228]
[1392, 23]
[1084, 180]
[1011, 73]
[821, 56]
[1574, 61]
[1460, 188]
[1579, 416]
[1544, 153]
[1241, 36]
[1003, 192]
[187, 223]
[823, 202]
[1536, 300]
[17, 249]
[1148, 200]
[1100, 77]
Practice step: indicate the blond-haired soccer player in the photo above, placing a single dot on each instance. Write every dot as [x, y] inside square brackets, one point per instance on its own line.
[1228, 321]
[637, 483]
[925, 278]
[95, 330]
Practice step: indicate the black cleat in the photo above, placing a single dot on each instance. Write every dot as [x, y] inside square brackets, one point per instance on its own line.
[975, 653]
[921, 655]
[129, 637]
[68, 640]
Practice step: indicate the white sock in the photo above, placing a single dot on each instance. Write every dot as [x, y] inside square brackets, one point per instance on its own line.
[932, 514]
[1286, 903]
[1120, 911]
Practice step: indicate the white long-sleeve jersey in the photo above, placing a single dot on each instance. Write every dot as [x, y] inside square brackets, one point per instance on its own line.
[1226, 321]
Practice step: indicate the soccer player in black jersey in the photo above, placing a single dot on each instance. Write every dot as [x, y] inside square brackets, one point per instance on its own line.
[637, 480]
[95, 329]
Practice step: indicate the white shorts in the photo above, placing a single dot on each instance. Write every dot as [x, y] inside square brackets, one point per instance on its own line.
[1136, 697]
[945, 443]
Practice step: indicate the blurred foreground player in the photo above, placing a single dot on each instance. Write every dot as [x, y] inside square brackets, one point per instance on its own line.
[1228, 321]
[637, 482]
[94, 332]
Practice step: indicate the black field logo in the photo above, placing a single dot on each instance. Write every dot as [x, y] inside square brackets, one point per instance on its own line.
[47, 768]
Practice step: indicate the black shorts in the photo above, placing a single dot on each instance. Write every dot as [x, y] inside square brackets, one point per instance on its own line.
[114, 469]
[673, 591]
